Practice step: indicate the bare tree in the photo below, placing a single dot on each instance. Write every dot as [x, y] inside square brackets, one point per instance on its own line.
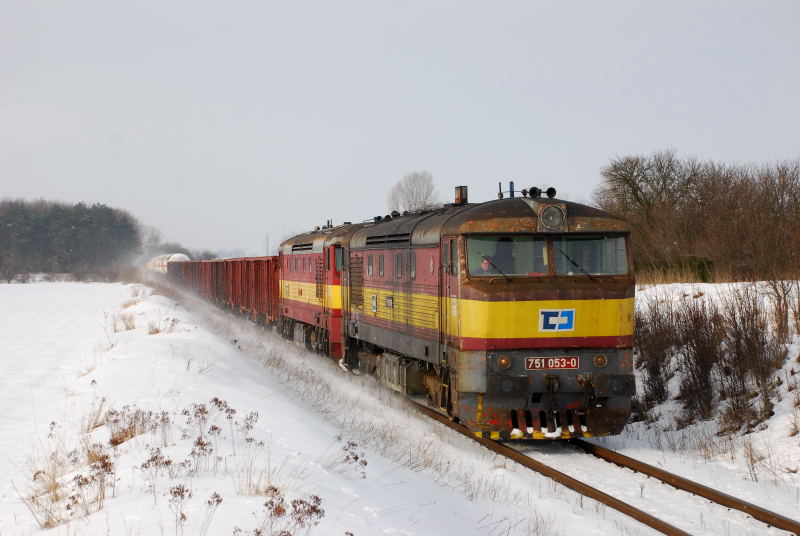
[415, 191]
[710, 219]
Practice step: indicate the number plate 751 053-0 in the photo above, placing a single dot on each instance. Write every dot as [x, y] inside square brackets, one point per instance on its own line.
[544, 363]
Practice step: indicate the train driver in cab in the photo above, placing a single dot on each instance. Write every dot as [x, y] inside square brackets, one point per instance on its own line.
[487, 266]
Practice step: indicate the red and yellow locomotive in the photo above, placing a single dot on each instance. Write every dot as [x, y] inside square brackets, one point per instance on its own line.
[514, 316]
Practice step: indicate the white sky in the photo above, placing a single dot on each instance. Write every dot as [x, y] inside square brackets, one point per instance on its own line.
[219, 122]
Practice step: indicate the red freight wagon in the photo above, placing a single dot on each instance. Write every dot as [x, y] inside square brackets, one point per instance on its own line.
[252, 287]
[248, 285]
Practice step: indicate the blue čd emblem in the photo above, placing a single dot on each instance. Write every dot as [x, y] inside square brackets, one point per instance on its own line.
[556, 319]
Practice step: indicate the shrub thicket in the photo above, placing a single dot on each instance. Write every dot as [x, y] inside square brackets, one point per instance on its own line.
[656, 340]
[701, 332]
[752, 353]
[706, 220]
[724, 356]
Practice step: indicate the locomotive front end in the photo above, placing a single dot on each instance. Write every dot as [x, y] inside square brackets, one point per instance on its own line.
[544, 320]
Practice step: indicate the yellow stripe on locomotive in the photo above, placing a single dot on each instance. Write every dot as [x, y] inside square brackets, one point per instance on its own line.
[521, 319]
[305, 292]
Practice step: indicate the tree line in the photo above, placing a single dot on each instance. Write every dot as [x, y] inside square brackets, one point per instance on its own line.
[52, 237]
[706, 220]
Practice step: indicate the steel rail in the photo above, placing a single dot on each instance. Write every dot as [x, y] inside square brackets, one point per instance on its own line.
[561, 478]
[761, 514]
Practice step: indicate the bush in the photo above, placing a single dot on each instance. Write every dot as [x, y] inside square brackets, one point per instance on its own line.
[752, 354]
[701, 331]
[732, 350]
[656, 339]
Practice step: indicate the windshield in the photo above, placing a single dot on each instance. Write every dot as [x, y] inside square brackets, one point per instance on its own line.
[507, 255]
[590, 255]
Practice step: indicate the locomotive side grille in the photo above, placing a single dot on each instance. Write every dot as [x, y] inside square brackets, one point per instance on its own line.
[301, 247]
[393, 239]
[320, 290]
[356, 281]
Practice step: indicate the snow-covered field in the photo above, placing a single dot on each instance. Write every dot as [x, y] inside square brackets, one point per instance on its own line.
[203, 406]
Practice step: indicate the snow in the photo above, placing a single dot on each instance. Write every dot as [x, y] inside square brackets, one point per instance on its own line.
[66, 352]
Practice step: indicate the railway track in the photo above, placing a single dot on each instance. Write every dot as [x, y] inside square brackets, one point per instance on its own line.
[770, 518]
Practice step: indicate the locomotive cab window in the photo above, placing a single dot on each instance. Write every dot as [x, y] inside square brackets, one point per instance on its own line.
[398, 263]
[507, 255]
[369, 265]
[590, 255]
[453, 264]
[338, 258]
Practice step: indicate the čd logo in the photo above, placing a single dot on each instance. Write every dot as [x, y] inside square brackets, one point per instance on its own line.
[556, 319]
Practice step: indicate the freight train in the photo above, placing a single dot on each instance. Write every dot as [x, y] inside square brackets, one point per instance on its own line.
[512, 316]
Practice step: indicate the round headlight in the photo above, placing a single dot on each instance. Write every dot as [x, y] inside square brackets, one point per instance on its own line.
[552, 217]
[504, 361]
[600, 361]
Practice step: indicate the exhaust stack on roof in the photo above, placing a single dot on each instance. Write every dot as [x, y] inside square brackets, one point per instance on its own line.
[461, 195]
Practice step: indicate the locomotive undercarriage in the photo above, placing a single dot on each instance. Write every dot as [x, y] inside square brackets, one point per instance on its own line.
[516, 404]
[551, 403]
[543, 415]
[312, 338]
[499, 404]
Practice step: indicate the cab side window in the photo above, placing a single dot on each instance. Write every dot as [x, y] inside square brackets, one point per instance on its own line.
[398, 265]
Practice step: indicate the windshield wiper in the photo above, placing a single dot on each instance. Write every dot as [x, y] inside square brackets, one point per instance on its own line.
[494, 266]
[578, 266]
[499, 270]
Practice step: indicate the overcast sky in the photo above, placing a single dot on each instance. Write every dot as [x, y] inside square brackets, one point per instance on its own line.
[219, 122]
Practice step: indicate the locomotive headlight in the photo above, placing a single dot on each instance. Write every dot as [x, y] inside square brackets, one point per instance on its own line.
[504, 361]
[552, 217]
[600, 361]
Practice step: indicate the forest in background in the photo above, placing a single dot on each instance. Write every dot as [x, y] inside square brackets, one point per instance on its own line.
[49, 237]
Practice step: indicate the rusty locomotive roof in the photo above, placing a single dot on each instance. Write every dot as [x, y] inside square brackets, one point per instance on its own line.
[509, 215]
[418, 229]
[314, 241]
[521, 214]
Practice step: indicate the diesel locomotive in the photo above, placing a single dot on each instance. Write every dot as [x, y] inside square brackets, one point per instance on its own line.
[512, 316]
